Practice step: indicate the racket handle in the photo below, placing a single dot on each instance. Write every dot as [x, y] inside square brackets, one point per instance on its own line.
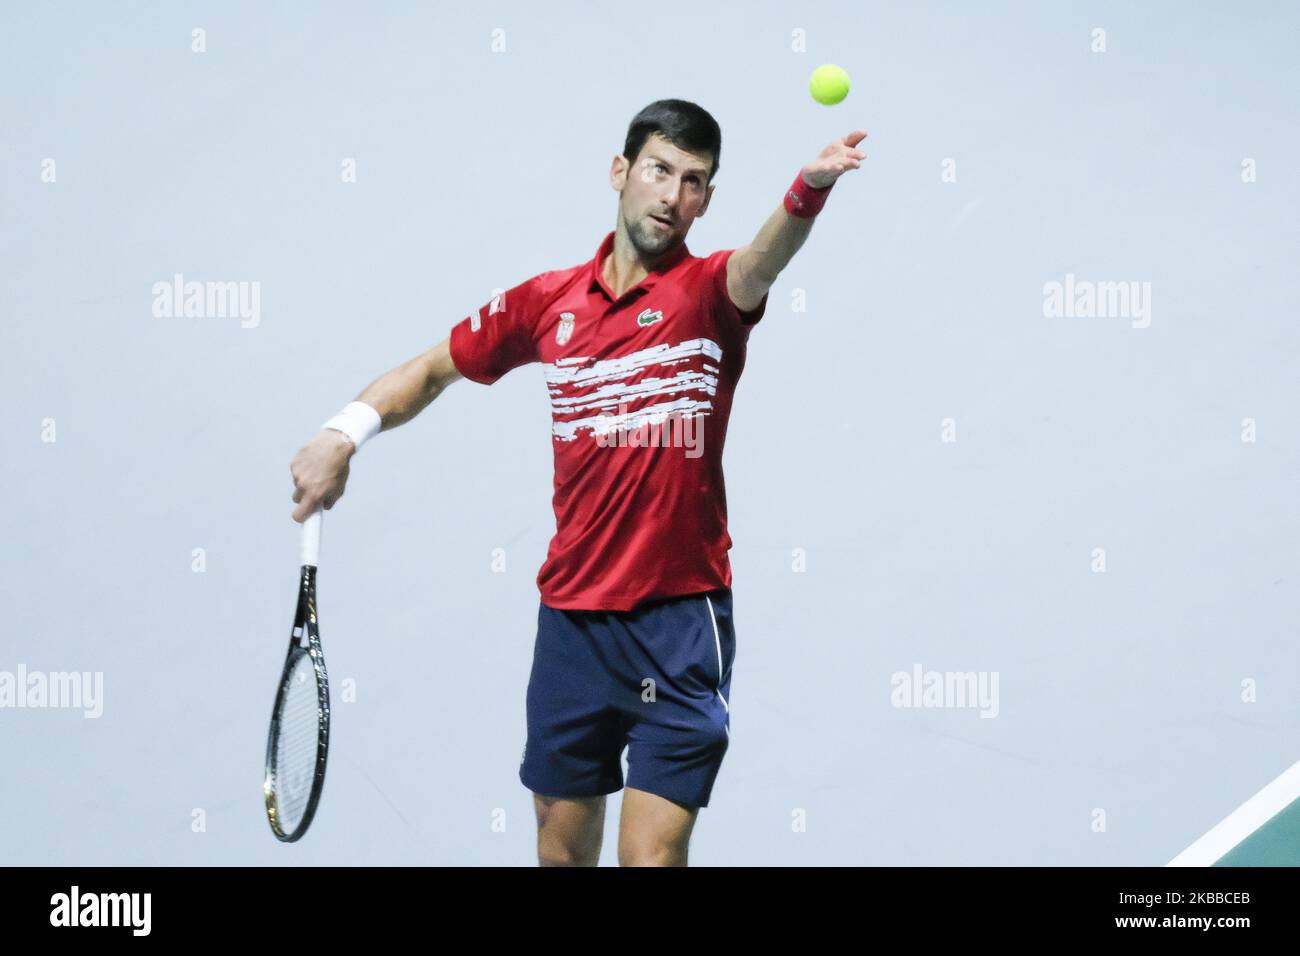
[311, 539]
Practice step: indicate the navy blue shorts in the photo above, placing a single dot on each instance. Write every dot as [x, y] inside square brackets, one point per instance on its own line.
[654, 680]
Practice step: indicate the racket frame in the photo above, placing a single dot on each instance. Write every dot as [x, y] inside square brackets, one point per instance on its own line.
[304, 640]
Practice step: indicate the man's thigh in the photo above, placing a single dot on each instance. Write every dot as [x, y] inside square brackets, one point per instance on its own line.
[569, 830]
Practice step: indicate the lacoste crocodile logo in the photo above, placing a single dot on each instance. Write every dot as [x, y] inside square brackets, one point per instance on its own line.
[649, 318]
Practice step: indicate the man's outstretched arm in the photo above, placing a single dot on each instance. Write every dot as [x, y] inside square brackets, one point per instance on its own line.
[753, 269]
[320, 469]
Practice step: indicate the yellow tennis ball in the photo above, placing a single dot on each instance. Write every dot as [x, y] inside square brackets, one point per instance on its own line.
[829, 84]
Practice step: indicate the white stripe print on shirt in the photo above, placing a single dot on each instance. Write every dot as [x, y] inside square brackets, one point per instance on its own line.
[583, 396]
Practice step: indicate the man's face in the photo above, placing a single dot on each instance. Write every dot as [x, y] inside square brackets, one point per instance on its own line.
[661, 193]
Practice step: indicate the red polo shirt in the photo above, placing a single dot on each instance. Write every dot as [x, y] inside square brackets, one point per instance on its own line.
[640, 393]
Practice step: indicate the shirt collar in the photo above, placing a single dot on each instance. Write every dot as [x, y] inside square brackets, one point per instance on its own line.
[607, 246]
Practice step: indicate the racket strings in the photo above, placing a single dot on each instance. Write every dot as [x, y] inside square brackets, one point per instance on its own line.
[297, 745]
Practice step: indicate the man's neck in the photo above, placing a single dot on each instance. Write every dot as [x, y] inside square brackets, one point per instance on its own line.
[623, 268]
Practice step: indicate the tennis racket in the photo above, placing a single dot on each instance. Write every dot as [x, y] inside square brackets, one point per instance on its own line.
[299, 739]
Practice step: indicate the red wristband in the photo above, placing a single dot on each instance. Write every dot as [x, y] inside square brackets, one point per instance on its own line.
[804, 201]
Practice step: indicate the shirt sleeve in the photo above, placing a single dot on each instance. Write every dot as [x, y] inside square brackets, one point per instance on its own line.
[716, 265]
[498, 337]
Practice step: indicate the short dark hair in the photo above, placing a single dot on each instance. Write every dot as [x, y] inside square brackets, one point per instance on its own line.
[684, 124]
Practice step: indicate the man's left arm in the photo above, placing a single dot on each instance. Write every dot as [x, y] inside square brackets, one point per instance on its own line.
[753, 269]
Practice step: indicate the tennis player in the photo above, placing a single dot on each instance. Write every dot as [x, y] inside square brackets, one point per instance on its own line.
[642, 347]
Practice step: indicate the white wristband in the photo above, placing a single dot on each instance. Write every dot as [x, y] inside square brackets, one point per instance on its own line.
[358, 421]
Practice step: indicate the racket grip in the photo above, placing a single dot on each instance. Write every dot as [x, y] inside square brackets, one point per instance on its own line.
[311, 539]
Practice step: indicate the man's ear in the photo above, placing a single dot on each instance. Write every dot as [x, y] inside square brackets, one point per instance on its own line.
[708, 195]
[618, 173]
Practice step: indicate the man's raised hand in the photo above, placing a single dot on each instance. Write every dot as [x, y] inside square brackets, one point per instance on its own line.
[835, 160]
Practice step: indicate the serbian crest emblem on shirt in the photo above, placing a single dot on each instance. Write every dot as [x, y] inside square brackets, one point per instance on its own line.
[565, 331]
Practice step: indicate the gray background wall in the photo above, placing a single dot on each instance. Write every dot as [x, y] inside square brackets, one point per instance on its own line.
[1120, 691]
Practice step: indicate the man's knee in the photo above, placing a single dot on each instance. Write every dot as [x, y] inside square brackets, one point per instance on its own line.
[637, 853]
[557, 853]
